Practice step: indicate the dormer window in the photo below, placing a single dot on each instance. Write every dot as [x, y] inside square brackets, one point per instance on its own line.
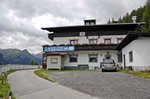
[90, 22]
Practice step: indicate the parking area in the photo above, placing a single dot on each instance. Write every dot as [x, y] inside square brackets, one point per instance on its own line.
[107, 85]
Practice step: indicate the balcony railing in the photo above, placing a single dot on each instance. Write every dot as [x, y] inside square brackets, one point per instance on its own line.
[96, 47]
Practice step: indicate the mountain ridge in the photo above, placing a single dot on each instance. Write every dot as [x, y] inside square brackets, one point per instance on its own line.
[38, 55]
[16, 56]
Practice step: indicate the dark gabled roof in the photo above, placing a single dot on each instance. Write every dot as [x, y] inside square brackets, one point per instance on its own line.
[102, 27]
[130, 37]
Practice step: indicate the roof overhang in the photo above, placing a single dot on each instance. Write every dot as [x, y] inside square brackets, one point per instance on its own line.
[131, 37]
[102, 27]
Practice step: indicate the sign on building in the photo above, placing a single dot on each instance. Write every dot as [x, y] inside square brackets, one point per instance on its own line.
[59, 48]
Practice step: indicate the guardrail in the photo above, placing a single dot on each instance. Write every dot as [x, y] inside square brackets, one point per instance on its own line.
[5, 68]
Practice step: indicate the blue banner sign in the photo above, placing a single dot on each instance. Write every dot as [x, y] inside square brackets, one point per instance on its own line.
[59, 48]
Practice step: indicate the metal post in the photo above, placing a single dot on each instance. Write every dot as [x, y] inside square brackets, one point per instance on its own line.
[10, 95]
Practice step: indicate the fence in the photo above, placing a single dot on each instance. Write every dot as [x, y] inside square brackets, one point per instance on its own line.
[5, 68]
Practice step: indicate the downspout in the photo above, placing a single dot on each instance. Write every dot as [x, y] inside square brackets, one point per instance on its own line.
[137, 27]
[139, 24]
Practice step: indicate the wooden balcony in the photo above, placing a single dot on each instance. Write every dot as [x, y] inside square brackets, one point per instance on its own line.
[95, 47]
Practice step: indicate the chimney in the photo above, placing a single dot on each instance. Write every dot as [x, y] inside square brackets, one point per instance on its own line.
[90, 22]
[134, 19]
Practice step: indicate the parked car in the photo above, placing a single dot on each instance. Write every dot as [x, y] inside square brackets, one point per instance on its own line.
[109, 65]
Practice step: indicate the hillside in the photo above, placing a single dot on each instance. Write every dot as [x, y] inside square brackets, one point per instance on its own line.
[16, 56]
[39, 55]
[143, 15]
[2, 60]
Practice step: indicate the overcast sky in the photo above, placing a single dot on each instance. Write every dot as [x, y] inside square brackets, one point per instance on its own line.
[21, 20]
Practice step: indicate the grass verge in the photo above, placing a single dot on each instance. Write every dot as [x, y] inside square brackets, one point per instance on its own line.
[142, 74]
[41, 72]
[5, 88]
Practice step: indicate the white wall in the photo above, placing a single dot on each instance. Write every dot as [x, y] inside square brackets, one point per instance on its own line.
[141, 52]
[83, 58]
[81, 40]
[51, 65]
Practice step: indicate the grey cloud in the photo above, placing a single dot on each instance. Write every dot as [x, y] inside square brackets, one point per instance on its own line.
[21, 41]
[71, 9]
[105, 9]
[17, 28]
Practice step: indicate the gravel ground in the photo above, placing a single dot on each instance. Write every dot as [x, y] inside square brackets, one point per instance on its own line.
[107, 85]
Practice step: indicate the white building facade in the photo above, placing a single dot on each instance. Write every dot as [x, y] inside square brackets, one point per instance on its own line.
[91, 43]
[136, 51]
[84, 40]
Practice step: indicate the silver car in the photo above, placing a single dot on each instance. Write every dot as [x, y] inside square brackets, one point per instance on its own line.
[109, 65]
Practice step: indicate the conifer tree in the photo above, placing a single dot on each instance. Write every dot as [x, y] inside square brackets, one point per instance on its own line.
[108, 21]
[120, 20]
[124, 19]
[112, 21]
[32, 62]
[146, 18]
[139, 14]
[35, 63]
[127, 18]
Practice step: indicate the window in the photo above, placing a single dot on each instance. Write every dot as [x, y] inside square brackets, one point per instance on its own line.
[108, 61]
[73, 42]
[93, 41]
[119, 40]
[107, 41]
[73, 58]
[87, 23]
[120, 57]
[92, 23]
[54, 60]
[130, 56]
[93, 57]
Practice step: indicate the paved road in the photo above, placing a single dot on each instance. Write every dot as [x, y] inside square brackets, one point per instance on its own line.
[107, 85]
[26, 85]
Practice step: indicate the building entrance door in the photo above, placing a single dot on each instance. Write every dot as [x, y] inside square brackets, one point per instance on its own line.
[124, 61]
